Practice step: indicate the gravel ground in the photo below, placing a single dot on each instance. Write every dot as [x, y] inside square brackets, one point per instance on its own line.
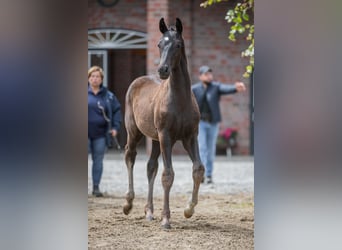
[223, 218]
[231, 175]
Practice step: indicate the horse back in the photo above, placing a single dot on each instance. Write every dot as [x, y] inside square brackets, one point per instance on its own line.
[141, 86]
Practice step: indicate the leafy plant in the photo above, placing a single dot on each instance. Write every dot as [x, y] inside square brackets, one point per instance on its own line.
[239, 16]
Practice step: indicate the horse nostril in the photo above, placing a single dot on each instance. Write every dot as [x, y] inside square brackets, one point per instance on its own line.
[163, 69]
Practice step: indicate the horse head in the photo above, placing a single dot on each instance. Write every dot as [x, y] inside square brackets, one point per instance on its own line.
[170, 47]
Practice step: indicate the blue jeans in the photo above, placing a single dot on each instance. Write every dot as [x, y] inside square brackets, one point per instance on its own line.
[207, 137]
[97, 148]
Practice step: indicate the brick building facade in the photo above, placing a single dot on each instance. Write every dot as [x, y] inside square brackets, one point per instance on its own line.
[205, 32]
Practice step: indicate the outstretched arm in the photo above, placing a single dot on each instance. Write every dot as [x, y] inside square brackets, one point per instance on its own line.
[240, 86]
[232, 89]
[225, 89]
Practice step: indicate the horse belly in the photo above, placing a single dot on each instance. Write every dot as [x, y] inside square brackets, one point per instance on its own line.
[148, 131]
[144, 122]
[142, 105]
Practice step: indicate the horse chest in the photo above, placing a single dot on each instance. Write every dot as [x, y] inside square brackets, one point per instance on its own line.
[179, 122]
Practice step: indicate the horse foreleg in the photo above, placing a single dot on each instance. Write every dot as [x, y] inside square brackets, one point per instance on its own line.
[191, 147]
[152, 169]
[167, 177]
[130, 154]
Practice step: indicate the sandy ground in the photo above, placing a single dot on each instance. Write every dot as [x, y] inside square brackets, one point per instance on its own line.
[220, 222]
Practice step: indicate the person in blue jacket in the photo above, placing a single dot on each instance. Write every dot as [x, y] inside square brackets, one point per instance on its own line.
[207, 93]
[104, 120]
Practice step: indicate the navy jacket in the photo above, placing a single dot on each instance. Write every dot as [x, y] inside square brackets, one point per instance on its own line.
[97, 124]
[214, 92]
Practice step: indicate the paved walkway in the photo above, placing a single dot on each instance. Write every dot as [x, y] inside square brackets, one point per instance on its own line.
[231, 175]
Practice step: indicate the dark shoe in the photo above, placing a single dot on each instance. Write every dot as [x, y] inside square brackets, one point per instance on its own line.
[209, 180]
[96, 192]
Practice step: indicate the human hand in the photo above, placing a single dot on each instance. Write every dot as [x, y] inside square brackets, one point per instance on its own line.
[114, 132]
[240, 86]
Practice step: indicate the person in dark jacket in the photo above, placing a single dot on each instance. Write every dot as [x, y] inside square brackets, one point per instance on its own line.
[104, 120]
[207, 93]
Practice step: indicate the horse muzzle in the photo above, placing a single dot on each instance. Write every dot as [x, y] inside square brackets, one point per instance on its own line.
[164, 72]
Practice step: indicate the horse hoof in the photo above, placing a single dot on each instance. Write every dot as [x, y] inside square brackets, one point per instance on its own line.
[166, 226]
[149, 217]
[127, 208]
[149, 214]
[188, 212]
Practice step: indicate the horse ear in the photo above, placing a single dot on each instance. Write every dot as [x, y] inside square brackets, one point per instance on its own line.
[162, 26]
[179, 25]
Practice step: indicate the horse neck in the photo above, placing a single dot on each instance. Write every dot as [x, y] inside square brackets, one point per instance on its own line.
[180, 80]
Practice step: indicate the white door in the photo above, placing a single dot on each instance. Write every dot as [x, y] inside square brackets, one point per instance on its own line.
[99, 58]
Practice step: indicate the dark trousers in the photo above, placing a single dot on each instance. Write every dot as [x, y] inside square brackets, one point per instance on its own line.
[97, 148]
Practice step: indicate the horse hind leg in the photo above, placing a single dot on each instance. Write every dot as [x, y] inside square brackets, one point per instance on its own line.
[191, 146]
[152, 169]
[130, 154]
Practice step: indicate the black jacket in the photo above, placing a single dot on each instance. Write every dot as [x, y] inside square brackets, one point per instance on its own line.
[98, 125]
[214, 92]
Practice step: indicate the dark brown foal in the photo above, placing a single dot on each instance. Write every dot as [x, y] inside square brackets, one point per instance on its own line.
[165, 111]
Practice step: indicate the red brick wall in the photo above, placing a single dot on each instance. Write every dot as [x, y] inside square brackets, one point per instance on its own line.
[183, 10]
[206, 40]
[205, 32]
[126, 14]
[156, 9]
[210, 45]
